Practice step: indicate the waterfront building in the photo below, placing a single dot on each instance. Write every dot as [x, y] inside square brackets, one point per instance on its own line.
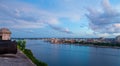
[5, 34]
[55, 41]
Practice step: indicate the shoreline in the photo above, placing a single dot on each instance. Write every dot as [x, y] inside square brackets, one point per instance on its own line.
[27, 57]
[101, 46]
[91, 45]
[21, 45]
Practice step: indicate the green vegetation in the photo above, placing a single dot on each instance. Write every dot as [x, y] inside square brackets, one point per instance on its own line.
[29, 54]
[21, 45]
[99, 44]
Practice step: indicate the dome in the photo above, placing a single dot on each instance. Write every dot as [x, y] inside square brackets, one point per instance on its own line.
[5, 31]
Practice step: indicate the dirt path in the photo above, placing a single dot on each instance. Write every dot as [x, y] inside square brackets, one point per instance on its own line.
[18, 59]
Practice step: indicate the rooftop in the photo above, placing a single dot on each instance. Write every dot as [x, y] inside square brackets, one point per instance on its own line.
[5, 30]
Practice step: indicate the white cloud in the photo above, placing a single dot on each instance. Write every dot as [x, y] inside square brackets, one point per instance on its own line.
[24, 15]
[61, 29]
[105, 21]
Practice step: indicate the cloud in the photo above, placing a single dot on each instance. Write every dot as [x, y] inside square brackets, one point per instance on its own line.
[106, 20]
[24, 15]
[60, 29]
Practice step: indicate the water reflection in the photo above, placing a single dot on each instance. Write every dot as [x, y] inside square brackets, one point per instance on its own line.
[71, 55]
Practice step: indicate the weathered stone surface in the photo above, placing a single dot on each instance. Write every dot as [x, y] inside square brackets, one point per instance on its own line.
[18, 59]
[7, 46]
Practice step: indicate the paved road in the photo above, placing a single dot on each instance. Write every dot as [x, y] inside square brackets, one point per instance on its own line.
[18, 59]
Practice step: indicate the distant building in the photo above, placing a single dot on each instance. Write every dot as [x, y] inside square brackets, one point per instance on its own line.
[55, 41]
[118, 39]
[5, 34]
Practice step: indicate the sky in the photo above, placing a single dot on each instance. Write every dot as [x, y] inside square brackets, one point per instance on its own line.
[61, 18]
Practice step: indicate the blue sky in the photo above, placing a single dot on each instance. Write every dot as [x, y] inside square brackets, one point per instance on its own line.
[61, 18]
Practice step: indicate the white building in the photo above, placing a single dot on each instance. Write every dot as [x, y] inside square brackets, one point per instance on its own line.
[118, 39]
[5, 34]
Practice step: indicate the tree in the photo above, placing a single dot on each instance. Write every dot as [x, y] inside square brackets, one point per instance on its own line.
[21, 44]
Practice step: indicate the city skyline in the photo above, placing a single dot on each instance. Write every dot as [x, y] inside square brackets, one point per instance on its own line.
[61, 18]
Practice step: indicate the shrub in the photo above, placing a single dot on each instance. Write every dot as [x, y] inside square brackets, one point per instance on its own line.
[29, 54]
[21, 44]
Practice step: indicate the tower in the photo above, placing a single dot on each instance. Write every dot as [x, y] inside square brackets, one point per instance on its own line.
[5, 34]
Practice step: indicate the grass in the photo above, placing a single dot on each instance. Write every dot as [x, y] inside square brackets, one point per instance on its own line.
[29, 54]
[21, 44]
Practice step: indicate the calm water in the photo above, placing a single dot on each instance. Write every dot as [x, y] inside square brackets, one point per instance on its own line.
[73, 55]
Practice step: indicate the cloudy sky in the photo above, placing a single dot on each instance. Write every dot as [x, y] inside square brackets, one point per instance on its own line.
[61, 18]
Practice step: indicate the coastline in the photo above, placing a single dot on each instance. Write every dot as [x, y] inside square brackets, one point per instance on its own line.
[26, 57]
[91, 45]
[21, 45]
[101, 46]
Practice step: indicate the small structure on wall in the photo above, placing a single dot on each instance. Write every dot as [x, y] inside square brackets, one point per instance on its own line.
[6, 45]
[5, 34]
